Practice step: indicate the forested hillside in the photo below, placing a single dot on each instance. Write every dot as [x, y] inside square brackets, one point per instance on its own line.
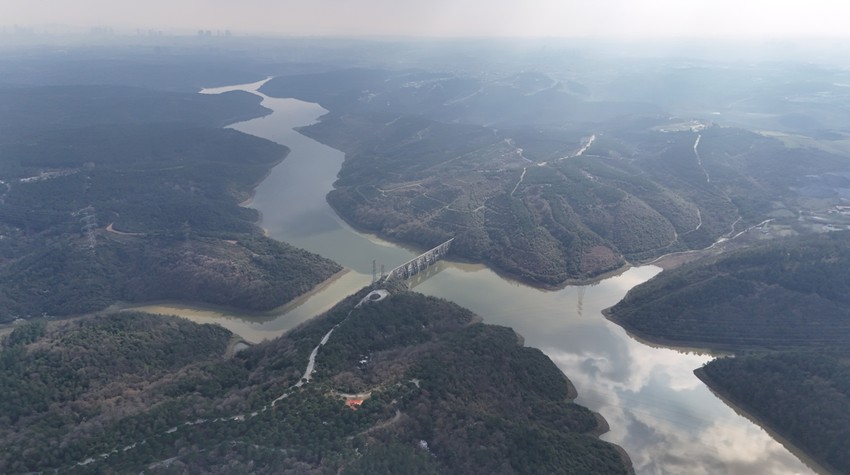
[804, 396]
[536, 179]
[114, 193]
[783, 294]
[440, 394]
[784, 307]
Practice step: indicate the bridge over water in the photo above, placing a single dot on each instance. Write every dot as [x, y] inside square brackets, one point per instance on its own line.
[420, 262]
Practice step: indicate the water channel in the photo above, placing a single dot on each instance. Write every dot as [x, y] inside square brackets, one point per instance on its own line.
[664, 417]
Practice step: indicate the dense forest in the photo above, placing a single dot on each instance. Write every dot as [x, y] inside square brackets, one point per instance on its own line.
[533, 180]
[803, 395]
[783, 306]
[440, 394]
[116, 193]
[132, 193]
[783, 294]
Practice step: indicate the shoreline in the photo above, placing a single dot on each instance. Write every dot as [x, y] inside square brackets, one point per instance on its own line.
[221, 310]
[224, 309]
[268, 172]
[124, 306]
[603, 427]
[738, 407]
[718, 349]
[744, 411]
[505, 274]
[669, 260]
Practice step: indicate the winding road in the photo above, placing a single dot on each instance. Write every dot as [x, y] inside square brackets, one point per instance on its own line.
[305, 378]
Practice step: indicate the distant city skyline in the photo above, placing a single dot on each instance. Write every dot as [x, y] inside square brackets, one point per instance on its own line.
[745, 19]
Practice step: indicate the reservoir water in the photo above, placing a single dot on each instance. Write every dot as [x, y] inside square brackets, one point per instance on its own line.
[665, 418]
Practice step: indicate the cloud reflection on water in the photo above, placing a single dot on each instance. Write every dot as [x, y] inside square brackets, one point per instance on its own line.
[658, 410]
[666, 419]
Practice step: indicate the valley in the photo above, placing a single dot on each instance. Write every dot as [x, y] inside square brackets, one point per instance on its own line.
[558, 181]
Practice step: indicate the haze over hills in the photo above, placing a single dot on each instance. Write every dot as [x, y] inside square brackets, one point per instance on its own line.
[545, 179]
[554, 180]
[663, 19]
[548, 170]
[114, 193]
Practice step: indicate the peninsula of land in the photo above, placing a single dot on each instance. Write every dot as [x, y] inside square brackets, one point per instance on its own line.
[399, 384]
[536, 180]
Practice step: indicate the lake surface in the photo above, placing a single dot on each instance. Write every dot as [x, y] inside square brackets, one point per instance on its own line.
[664, 417]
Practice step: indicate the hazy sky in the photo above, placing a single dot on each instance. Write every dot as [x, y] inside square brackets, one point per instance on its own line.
[534, 18]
